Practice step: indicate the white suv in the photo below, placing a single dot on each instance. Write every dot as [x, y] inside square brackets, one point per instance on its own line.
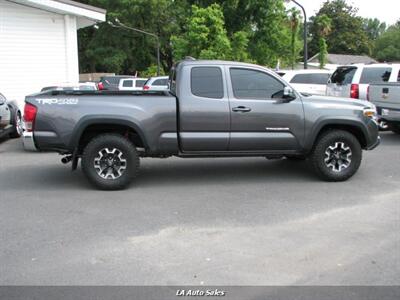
[131, 84]
[307, 81]
[352, 81]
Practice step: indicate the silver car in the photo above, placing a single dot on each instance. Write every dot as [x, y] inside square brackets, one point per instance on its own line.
[10, 118]
[159, 83]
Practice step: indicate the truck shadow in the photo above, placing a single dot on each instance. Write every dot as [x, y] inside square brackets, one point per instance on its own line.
[390, 139]
[223, 171]
[153, 172]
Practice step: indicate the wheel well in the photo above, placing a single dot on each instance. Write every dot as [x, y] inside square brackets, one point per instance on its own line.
[356, 131]
[93, 130]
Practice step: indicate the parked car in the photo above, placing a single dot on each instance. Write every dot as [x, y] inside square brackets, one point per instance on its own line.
[386, 97]
[352, 81]
[307, 81]
[131, 84]
[10, 118]
[159, 83]
[111, 83]
[81, 86]
[213, 108]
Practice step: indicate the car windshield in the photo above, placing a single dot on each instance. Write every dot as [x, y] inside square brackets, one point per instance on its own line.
[343, 75]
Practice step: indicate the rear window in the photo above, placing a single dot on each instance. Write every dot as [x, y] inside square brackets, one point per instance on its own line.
[343, 75]
[127, 83]
[375, 75]
[316, 78]
[207, 82]
[140, 83]
[160, 82]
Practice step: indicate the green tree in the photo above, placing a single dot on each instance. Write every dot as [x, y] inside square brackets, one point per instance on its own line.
[347, 35]
[266, 24]
[387, 45]
[374, 28]
[294, 26]
[117, 50]
[205, 36]
[324, 24]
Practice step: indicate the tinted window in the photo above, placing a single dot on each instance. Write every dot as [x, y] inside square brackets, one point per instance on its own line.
[111, 80]
[140, 83]
[250, 84]
[160, 82]
[343, 75]
[87, 88]
[375, 75]
[127, 83]
[317, 78]
[207, 82]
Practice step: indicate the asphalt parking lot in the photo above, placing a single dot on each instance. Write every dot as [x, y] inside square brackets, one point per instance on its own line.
[200, 221]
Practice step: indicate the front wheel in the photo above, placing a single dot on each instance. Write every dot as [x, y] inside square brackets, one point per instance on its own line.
[336, 156]
[17, 124]
[110, 162]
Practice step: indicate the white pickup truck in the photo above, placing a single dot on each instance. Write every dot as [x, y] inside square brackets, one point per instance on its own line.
[386, 97]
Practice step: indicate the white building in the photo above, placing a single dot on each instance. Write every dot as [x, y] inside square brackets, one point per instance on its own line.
[38, 43]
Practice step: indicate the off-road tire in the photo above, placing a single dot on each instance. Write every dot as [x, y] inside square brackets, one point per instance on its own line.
[110, 141]
[318, 155]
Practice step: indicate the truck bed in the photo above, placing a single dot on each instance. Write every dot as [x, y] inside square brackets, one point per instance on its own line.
[63, 116]
[386, 96]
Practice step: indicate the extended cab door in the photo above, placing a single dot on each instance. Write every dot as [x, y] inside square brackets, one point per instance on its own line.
[204, 115]
[261, 119]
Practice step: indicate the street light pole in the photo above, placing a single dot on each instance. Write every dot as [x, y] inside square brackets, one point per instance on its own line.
[121, 25]
[305, 33]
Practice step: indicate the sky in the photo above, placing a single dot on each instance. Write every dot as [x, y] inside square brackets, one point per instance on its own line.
[384, 10]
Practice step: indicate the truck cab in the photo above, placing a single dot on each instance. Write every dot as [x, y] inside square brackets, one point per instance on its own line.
[231, 107]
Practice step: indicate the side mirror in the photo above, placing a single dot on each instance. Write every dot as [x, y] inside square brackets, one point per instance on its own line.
[288, 93]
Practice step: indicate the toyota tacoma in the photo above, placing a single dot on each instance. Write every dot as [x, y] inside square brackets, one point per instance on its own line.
[212, 109]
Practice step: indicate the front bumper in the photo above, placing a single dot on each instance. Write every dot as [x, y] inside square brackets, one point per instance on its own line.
[374, 145]
[28, 141]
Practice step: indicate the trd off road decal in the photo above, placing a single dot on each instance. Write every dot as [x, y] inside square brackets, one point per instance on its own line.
[58, 101]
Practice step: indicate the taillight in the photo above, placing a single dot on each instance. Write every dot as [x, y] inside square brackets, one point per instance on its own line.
[354, 91]
[29, 116]
[146, 88]
[100, 86]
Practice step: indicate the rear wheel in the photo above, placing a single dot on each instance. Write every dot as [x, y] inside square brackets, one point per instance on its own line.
[336, 156]
[110, 162]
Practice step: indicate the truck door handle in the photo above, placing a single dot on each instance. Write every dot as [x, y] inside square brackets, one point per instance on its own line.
[241, 109]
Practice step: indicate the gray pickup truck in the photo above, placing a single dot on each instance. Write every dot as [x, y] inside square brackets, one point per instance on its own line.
[386, 97]
[213, 109]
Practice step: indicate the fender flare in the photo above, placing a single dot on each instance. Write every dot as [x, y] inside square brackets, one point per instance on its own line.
[320, 124]
[85, 122]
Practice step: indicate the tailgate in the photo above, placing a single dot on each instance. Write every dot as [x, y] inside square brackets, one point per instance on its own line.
[385, 94]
